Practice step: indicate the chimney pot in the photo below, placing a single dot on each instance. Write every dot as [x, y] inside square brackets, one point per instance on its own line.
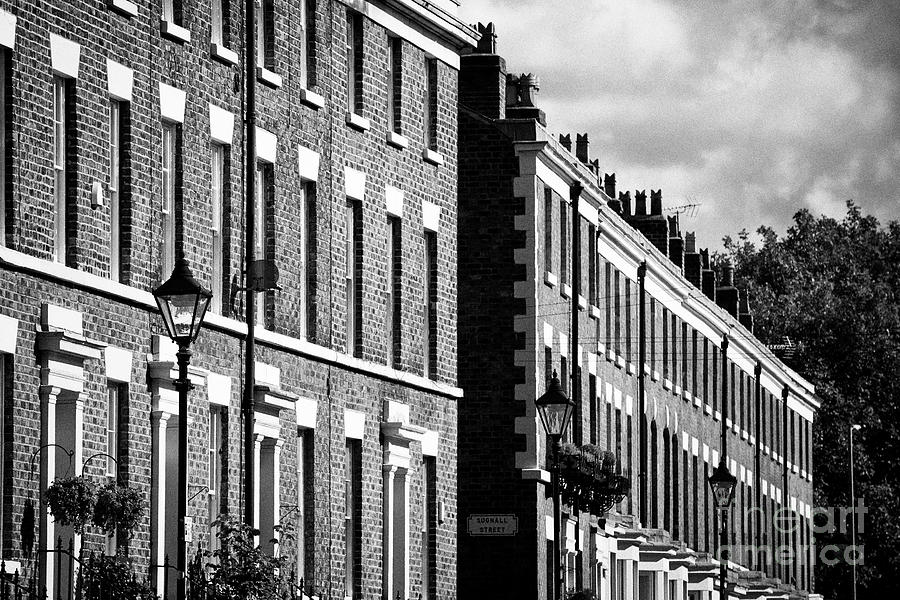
[625, 201]
[728, 275]
[656, 202]
[581, 147]
[690, 242]
[609, 184]
[640, 203]
[566, 141]
[487, 39]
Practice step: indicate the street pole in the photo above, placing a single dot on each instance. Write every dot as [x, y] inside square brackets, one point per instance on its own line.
[249, 256]
[557, 549]
[183, 385]
[853, 506]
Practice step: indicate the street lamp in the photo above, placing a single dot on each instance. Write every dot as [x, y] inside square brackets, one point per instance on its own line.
[182, 302]
[853, 428]
[723, 483]
[555, 409]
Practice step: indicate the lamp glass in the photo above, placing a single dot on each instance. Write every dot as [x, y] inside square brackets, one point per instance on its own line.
[182, 302]
[555, 409]
[723, 484]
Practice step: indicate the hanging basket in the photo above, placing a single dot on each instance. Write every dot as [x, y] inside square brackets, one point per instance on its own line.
[71, 501]
[119, 508]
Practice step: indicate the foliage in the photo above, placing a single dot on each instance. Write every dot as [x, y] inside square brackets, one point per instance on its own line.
[112, 578]
[118, 508]
[71, 501]
[833, 287]
[241, 569]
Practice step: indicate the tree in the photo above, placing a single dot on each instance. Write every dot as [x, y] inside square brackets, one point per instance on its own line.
[833, 287]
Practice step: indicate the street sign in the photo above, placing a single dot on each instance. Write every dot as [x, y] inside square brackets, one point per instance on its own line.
[493, 525]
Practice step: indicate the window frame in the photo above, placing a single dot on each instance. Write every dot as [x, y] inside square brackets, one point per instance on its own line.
[393, 307]
[395, 84]
[5, 119]
[353, 276]
[168, 174]
[217, 224]
[355, 59]
[115, 189]
[430, 104]
[60, 174]
[429, 322]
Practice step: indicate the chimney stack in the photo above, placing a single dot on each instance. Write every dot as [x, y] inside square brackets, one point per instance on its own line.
[744, 315]
[727, 294]
[692, 268]
[581, 147]
[707, 275]
[566, 141]
[482, 76]
[653, 225]
[609, 184]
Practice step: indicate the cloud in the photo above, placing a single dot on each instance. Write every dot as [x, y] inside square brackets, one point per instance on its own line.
[756, 110]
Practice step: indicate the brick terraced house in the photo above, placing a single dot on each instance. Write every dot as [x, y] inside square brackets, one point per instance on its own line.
[122, 149]
[650, 316]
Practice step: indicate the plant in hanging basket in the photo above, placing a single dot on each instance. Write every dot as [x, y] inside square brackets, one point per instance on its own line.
[569, 471]
[71, 501]
[118, 508]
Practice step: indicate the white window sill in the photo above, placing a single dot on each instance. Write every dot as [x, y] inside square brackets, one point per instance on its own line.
[432, 157]
[397, 140]
[270, 78]
[677, 390]
[697, 402]
[718, 416]
[223, 54]
[601, 349]
[708, 409]
[550, 279]
[595, 312]
[727, 422]
[736, 428]
[610, 355]
[358, 122]
[744, 435]
[687, 395]
[174, 32]
[667, 385]
[630, 370]
[582, 302]
[566, 290]
[126, 7]
[312, 99]
[655, 376]
[620, 361]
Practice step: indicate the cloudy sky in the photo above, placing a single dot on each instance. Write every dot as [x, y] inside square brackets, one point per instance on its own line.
[754, 109]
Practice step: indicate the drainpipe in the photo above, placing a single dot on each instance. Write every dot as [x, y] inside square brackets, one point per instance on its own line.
[247, 406]
[575, 196]
[642, 359]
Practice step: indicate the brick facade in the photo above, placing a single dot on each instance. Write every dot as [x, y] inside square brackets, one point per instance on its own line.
[317, 160]
[515, 329]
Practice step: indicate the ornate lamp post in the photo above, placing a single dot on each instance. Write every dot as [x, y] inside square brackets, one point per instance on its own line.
[723, 483]
[555, 409]
[182, 302]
